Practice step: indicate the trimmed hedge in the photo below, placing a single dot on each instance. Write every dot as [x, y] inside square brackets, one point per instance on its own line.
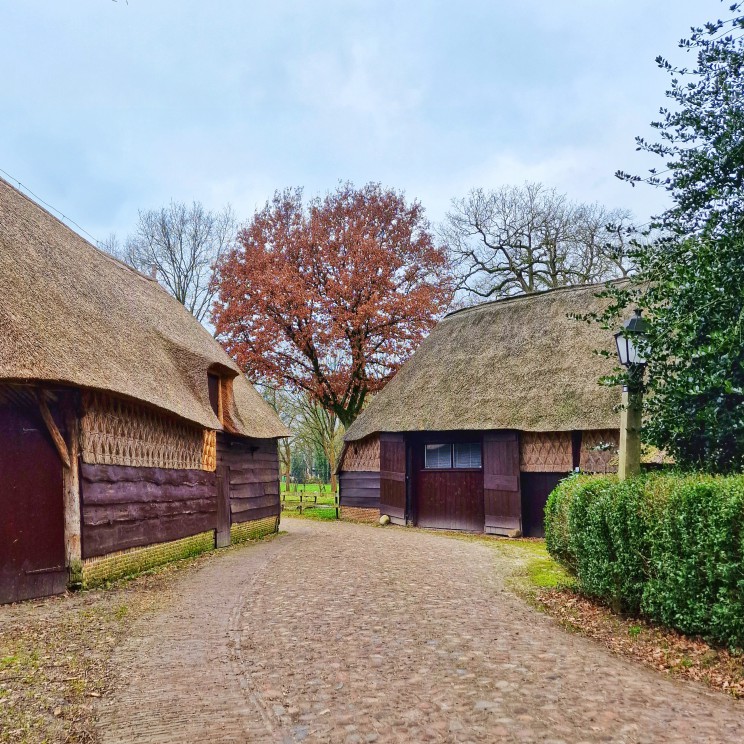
[667, 546]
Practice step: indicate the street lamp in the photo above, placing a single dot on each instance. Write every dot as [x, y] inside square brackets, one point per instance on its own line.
[630, 341]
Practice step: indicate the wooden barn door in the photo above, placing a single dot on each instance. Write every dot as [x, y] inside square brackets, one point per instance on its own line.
[32, 543]
[501, 492]
[446, 498]
[393, 477]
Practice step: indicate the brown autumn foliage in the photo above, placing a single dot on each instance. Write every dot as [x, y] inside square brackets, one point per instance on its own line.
[331, 298]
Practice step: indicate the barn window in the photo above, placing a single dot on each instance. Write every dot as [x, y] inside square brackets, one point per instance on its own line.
[465, 455]
[214, 394]
[438, 456]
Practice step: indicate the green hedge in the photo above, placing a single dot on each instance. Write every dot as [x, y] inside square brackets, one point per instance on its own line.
[667, 546]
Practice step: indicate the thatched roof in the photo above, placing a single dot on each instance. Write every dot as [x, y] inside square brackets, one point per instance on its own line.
[70, 314]
[518, 363]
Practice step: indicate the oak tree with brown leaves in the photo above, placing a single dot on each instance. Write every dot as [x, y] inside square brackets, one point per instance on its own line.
[331, 298]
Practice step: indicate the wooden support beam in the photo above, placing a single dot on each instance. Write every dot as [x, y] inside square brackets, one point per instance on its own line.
[73, 546]
[57, 438]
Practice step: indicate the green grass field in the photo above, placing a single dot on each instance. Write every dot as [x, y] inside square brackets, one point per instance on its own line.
[308, 500]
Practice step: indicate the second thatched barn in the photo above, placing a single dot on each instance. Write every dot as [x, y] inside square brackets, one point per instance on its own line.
[496, 406]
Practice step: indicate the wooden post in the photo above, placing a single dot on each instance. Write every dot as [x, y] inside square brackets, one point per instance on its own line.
[630, 434]
[71, 480]
[222, 533]
[54, 432]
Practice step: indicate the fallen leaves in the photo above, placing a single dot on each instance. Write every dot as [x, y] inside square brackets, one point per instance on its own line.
[661, 648]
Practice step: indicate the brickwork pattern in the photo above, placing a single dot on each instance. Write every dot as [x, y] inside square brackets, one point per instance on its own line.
[130, 562]
[341, 632]
[545, 452]
[599, 450]
[363, 456]
[357, 514]
[253, 530]
[115, 431]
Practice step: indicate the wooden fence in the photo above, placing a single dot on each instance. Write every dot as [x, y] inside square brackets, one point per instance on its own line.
[300, 500]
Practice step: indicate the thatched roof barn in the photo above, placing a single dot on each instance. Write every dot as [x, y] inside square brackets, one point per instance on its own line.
[520, 363]
[74, 315]
[129, 404]
[522, 370]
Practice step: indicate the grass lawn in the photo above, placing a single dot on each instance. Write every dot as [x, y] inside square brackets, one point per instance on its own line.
[319, 488]
[309, 501]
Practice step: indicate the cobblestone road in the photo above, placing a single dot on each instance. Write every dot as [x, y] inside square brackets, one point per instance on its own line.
[348, 633]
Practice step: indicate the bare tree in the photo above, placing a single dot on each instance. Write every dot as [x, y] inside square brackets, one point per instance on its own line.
[524, 239]
[179, 245]
[111, 245]
[321, 428]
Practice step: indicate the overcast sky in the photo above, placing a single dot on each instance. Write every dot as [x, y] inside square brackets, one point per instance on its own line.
[109, 107]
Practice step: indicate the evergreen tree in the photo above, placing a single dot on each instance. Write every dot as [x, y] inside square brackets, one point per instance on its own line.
[690, 279]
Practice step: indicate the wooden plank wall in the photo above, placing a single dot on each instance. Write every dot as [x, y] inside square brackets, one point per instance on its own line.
[360, 489]
[393, 477]
[127, 507]
[254, 476]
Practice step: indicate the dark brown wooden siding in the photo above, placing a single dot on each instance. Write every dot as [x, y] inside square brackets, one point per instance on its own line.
[32, 552]
[127, 507]
[393, 477]
[359, 489]
[253, 476]
[503, 505]
[536, 488]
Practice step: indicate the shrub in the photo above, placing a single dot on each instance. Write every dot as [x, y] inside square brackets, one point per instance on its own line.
[608, 536]
[697, 578]
[667, 546]
[556, 519]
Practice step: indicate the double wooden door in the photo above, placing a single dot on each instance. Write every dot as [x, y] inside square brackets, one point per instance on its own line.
[447, 498]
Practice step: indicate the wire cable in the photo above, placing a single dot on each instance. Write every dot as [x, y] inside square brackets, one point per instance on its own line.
[47, 204]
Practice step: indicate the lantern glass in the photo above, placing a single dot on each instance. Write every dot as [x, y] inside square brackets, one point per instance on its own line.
[630, 340]
[622, 348]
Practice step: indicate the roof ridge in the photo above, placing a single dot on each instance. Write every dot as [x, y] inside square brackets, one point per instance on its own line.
[533, 295]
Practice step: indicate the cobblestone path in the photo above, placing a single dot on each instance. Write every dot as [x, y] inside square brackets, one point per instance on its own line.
[348, 633]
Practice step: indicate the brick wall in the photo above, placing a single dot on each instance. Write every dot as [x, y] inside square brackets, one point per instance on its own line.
[356, 514]
[363, 455]
[253, 530]
[599, 450]
[97, 571]
[545, 452]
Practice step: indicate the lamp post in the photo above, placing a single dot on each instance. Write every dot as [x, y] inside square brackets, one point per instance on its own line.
[630, 340]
